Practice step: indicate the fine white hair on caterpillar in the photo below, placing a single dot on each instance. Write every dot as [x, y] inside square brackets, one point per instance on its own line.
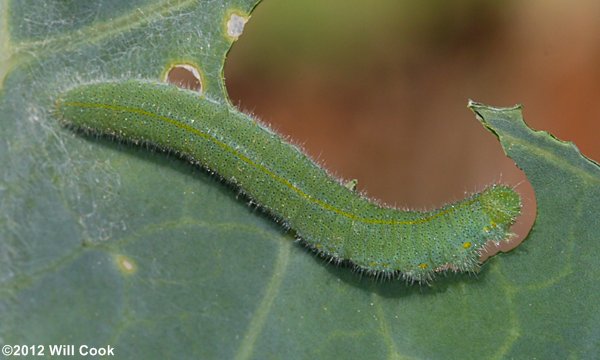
[328, 215]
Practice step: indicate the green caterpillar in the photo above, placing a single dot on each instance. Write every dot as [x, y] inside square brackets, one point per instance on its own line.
[326, 214]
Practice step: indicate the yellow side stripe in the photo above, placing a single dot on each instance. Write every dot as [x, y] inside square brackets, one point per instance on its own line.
[324, 205]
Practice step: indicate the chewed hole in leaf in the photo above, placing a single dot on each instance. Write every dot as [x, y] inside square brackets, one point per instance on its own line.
[429, 158]
[185, 76]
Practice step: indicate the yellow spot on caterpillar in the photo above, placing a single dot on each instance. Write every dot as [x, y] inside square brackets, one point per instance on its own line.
[423, 266]
[486, 228]
[125, 264]
[467, 244]
[351, 184]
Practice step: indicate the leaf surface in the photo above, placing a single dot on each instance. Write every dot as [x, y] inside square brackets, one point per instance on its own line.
[103, 243]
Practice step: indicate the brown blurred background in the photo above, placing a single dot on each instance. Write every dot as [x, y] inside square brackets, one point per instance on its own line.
[378, 92]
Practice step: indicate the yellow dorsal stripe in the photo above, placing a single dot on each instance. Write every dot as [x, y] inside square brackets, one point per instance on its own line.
[324, 205]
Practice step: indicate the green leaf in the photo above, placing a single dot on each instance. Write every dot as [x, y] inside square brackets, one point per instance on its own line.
[103, 243]
[550, 279]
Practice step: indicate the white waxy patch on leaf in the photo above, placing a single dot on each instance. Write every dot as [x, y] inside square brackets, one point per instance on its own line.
[235, 25]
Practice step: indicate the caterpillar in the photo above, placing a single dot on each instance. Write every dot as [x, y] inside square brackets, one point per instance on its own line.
[328, 215]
